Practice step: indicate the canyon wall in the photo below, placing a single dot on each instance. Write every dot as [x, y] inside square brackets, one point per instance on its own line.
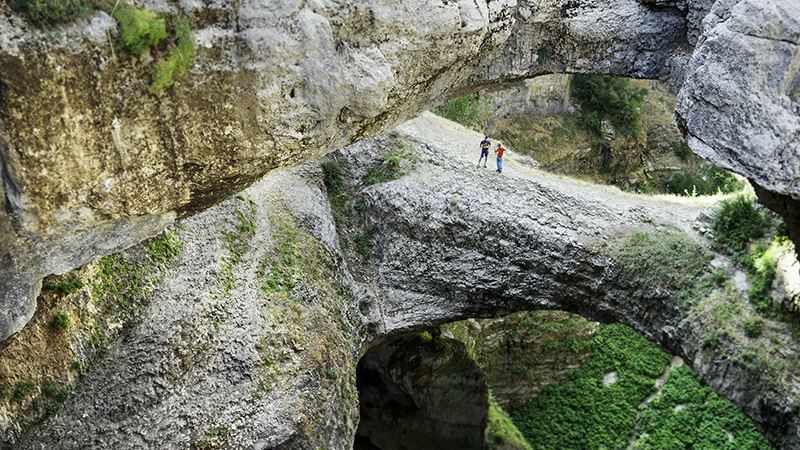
[93, 163]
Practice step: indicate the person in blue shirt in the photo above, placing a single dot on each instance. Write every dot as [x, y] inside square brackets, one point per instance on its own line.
[485, 144]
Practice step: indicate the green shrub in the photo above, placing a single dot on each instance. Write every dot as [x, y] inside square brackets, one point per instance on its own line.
[468, 110]
[669, 260]
[500, 430]
[753, 326]
[332, 178]
[710, 339]
[62, 321]
[179, 58]
[67, 285]
[164, 248]
[56, 391]
[609, 98]
[139, 29]
[706, 179]
[426, 336]
[364, 243]
[22, 390]
[682, 150]
[737, 222]
[52, 11]
[581, 412]
[705, 420]
[388, 170]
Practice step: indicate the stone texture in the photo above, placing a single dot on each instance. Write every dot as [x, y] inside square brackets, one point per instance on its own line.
[747, 119]
[548, 94]
[422, 395]
[91, 163]
[451, 241]
[84, 145]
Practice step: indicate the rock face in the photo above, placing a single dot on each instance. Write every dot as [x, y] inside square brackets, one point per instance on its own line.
[227, 341]
[92, 163]
[759, 101]
[548, 94]
[422, 394]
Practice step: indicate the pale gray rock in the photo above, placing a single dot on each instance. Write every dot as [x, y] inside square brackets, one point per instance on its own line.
[451, 241]
[92, 163]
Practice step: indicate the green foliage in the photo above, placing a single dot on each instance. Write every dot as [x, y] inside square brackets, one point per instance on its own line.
[56, 391]
[164, 248]
[737, 225]
[179, 58]
[213, 438]
[426, 336]
[364, 242]
[737, 222]
[703, 420]
[669, 260]
[122, 282]
[67, 285]
[139, 29]
[22, 390]
[332, 178]
[753, 326]
[500, 430]
[51, 12]
[706, 179]
[142, 29]
[120, 279]
[279, 274]
[682, 150]
[710, 339]
[609, 98]
[235, 243]
[582, 413]
[760, 261]
[468, 110]
[543, 54]
[388, 170]
[62, 321]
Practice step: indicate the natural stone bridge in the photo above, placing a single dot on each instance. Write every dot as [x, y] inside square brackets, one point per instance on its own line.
[451, 241]
[92, 163]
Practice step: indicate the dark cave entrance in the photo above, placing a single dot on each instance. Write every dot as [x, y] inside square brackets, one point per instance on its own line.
[423, 393]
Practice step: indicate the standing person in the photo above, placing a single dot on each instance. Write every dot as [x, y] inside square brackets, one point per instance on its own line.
[485, 144]
[499, 150]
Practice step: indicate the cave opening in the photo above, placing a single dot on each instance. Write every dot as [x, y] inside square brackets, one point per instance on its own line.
[549, 378]
[420, 391]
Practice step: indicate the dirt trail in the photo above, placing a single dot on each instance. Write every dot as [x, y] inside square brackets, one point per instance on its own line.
[456, 152]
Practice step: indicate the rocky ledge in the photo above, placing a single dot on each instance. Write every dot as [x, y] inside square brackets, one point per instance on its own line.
[277, 294]
[92, 163]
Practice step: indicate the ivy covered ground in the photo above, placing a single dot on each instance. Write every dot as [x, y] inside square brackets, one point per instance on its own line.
[596, 408]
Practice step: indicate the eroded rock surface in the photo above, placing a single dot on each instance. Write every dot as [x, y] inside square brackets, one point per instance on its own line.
[276, 365]
[423, 393]
[92, 163]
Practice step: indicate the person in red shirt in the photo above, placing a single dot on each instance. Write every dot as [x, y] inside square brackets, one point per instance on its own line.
[499, 150]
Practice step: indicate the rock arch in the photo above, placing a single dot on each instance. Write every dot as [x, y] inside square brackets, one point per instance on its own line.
[92, 164]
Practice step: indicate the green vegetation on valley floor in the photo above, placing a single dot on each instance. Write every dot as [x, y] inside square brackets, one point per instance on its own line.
[597, 406]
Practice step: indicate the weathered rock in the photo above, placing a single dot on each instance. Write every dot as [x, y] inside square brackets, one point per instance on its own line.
[85, 149]
[422, 395]
[547, 94]
[747, 119]
[451, 241]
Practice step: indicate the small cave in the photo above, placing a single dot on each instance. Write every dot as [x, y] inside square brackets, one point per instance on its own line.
[421, 391]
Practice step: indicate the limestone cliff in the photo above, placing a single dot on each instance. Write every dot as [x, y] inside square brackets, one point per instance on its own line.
[92, 163]
[252, 337]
